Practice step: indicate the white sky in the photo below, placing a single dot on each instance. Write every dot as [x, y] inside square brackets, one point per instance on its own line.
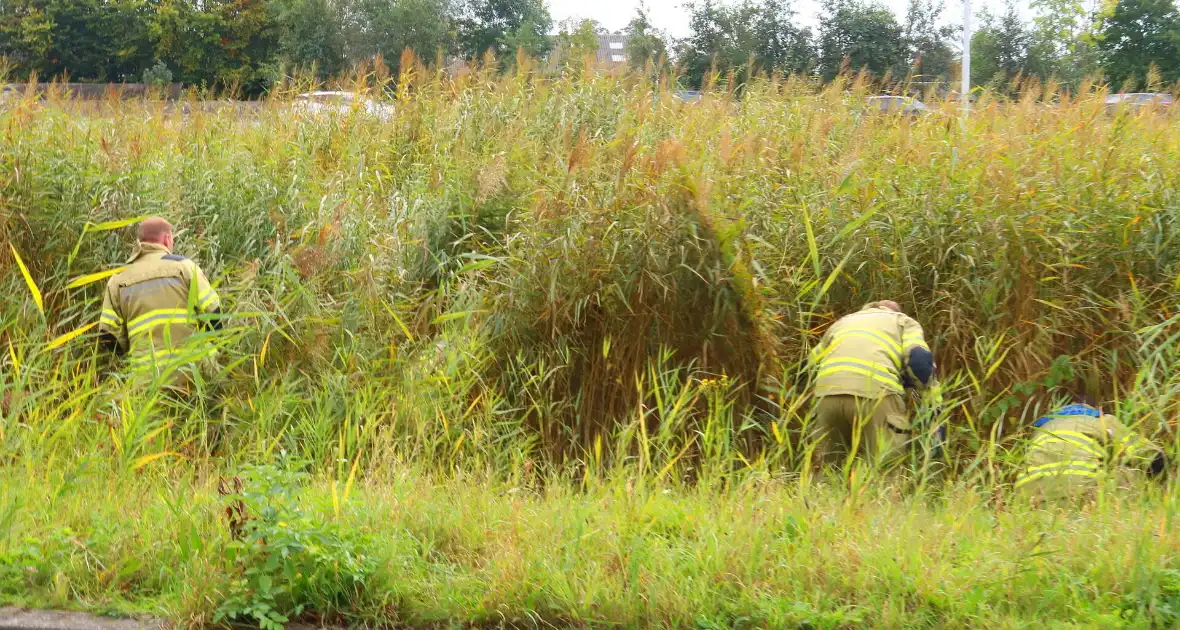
[671, 16]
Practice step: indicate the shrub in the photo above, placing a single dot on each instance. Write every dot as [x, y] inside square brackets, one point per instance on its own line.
[288, 561]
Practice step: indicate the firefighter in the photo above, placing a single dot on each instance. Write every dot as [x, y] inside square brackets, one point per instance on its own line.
[863, 365]
[150, 308]
[1077, 446]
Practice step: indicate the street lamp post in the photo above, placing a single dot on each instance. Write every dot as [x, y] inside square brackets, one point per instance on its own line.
[965, 88]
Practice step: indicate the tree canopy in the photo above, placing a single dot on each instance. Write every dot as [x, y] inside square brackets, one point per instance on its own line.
[252, 43]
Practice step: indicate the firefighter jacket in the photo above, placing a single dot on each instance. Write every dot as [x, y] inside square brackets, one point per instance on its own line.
[871, 353]
[150, 307]
[1074, 445]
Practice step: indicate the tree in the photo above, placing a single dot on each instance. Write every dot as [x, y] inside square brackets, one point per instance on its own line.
[388, 27]
[1138, 35]
[766, 34]
[26, 36]
[1001, 49]
[644, 42]
[91, 40]
[1064, 40]
[577, 39]
[310, 33]
[927, 47]
[862, 36]
[503, 26]
[749, 36]
[705, 43]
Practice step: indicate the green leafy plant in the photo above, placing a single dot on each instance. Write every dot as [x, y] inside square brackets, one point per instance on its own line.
[287, 560]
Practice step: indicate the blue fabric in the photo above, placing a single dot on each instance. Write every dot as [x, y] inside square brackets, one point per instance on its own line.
[1070, 410]
[922, 364]
[175, 257]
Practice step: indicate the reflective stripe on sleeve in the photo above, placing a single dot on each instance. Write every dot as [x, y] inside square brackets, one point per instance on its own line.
[110, 318]
[151, 319]
[155, 357]
[914, 339]
[875, 371]
[209, 297]
[1072, 468]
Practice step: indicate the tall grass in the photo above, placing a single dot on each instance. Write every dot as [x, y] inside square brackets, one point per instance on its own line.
[519, 260]
[532, 284]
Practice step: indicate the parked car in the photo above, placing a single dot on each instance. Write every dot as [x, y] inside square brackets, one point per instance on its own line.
[896, 105]
[687, 96]
[339, 103]
[1138, 100]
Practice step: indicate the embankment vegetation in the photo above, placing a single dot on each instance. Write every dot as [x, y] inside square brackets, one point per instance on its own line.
[524, 352]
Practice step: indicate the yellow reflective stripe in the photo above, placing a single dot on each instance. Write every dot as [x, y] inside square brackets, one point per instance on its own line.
[138, 320]
[110, 317]
[151, 319]
[1069, 463]
[1081, 439]
[875, 371]
[206, 299]
[915, 339]
[157, 356]
[1073, 468]
[890, 346]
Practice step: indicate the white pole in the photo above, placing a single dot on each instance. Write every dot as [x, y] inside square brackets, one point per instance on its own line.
[965, 89]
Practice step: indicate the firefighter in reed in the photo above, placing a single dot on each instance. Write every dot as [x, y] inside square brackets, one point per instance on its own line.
[1077, 446]
[150, 309]
[862, 368]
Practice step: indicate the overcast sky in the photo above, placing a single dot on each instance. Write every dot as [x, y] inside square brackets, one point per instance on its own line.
[672, 17]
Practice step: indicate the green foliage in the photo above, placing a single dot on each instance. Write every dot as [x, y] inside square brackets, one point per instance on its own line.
[1140, 35]
[310, 34]
[504, 26]
[382, 28]
[645, 43]
[1065, 34]
[577, 39]
[1001, 50]
[744, 38]
[157, 75]
[288, 560]
[928, 51]
[855, 36]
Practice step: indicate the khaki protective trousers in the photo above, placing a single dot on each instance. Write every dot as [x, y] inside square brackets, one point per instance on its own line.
[876, 429]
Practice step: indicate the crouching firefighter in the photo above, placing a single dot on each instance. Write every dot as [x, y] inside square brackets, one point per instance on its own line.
[1077, 447]
[862, 367]
[150, 310]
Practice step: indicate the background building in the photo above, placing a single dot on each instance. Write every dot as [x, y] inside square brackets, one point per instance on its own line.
[612, 48]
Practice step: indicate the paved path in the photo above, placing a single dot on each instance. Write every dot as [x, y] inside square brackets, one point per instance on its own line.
[19, 619]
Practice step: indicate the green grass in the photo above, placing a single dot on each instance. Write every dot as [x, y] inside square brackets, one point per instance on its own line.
[525, 353]
[767, 552]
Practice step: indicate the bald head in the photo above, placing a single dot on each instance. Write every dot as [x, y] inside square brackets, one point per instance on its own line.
[888, 305]
[156, 230]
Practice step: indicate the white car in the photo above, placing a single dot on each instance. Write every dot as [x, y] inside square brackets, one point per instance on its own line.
[1137, 100]
[341, 103]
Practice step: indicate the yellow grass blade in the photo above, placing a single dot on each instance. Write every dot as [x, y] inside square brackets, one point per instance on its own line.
[107, 226]
[351, 477]
[262, 353]
[15, 360]
[70, 336]
[82, 281]
[147, 459]
[28, 280]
